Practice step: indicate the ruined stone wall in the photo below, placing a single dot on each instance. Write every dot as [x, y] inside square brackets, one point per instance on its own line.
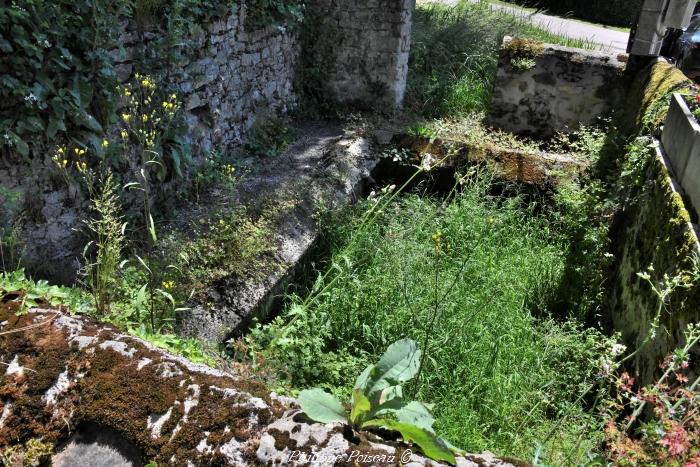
[369, 42]
[542, 89]
[232, 76]
[654, 235]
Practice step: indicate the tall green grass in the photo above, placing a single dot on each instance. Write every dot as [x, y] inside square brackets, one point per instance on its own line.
[454, 52]
[482, 270]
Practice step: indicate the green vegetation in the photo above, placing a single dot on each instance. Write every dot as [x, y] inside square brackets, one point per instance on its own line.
[378, 402]
[74, 95]
[470, 278]
[270, 137]
[454, 54]
[33, 453]
[279, 13]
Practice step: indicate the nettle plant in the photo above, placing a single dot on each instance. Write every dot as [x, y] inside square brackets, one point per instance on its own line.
[378, 403]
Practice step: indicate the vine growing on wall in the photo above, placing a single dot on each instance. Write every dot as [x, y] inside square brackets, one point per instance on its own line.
[56, 76]
[280, 13]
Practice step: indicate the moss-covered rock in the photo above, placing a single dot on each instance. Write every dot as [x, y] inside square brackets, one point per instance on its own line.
[91, 393]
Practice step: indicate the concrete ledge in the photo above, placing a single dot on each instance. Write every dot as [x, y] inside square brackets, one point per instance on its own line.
[681, 143]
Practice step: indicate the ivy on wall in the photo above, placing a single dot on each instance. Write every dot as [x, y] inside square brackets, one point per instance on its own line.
[57, 80]
[55, 75]
[278, 13]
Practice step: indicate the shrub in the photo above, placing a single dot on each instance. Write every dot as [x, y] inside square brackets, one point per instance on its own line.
[669, 433]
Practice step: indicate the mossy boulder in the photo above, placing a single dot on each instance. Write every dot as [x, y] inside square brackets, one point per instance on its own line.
[96, 395]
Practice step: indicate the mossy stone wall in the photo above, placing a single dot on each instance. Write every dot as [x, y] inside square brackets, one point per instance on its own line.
[654, 235]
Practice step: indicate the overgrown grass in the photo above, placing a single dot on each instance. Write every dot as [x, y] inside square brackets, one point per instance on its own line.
[454, 53]
[482, 270]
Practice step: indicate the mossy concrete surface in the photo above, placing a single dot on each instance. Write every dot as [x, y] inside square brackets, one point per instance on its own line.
[654, 235]
[324, 167]
[98, 396]
[539, 169]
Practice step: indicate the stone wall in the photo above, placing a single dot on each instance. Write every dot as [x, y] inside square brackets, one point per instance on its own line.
[654, 231]
[233, 76]
[368, 42]
[542, 89]
[653, 234]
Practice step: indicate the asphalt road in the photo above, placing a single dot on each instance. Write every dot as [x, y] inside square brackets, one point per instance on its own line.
[609, 39]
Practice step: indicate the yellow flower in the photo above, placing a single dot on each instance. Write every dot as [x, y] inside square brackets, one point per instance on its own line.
[61, 150]
[105, 144]
[144, 118]
[126, 117]
[124, 134]
[64, 163]
[167, 285]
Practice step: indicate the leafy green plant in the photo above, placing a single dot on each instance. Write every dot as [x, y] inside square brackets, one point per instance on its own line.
[378, 403]
[421, 130]
[16, 287]
[58, 77]
[270, 137]
[279, 13]
[190, 348]
[10, 227]
[523, 63]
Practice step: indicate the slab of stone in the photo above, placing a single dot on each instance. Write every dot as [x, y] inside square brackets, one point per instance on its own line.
[542, 89]
[325, 166]
[539, 169]
[128, 404]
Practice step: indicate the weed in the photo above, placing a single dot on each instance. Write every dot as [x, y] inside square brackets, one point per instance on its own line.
[670, 433]
[270, 137]
[10, 227]
[454, 53]
[421, 130]
[108, 229]
[16, 287]
[523, 64]
[226, 243]
[378, 402]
